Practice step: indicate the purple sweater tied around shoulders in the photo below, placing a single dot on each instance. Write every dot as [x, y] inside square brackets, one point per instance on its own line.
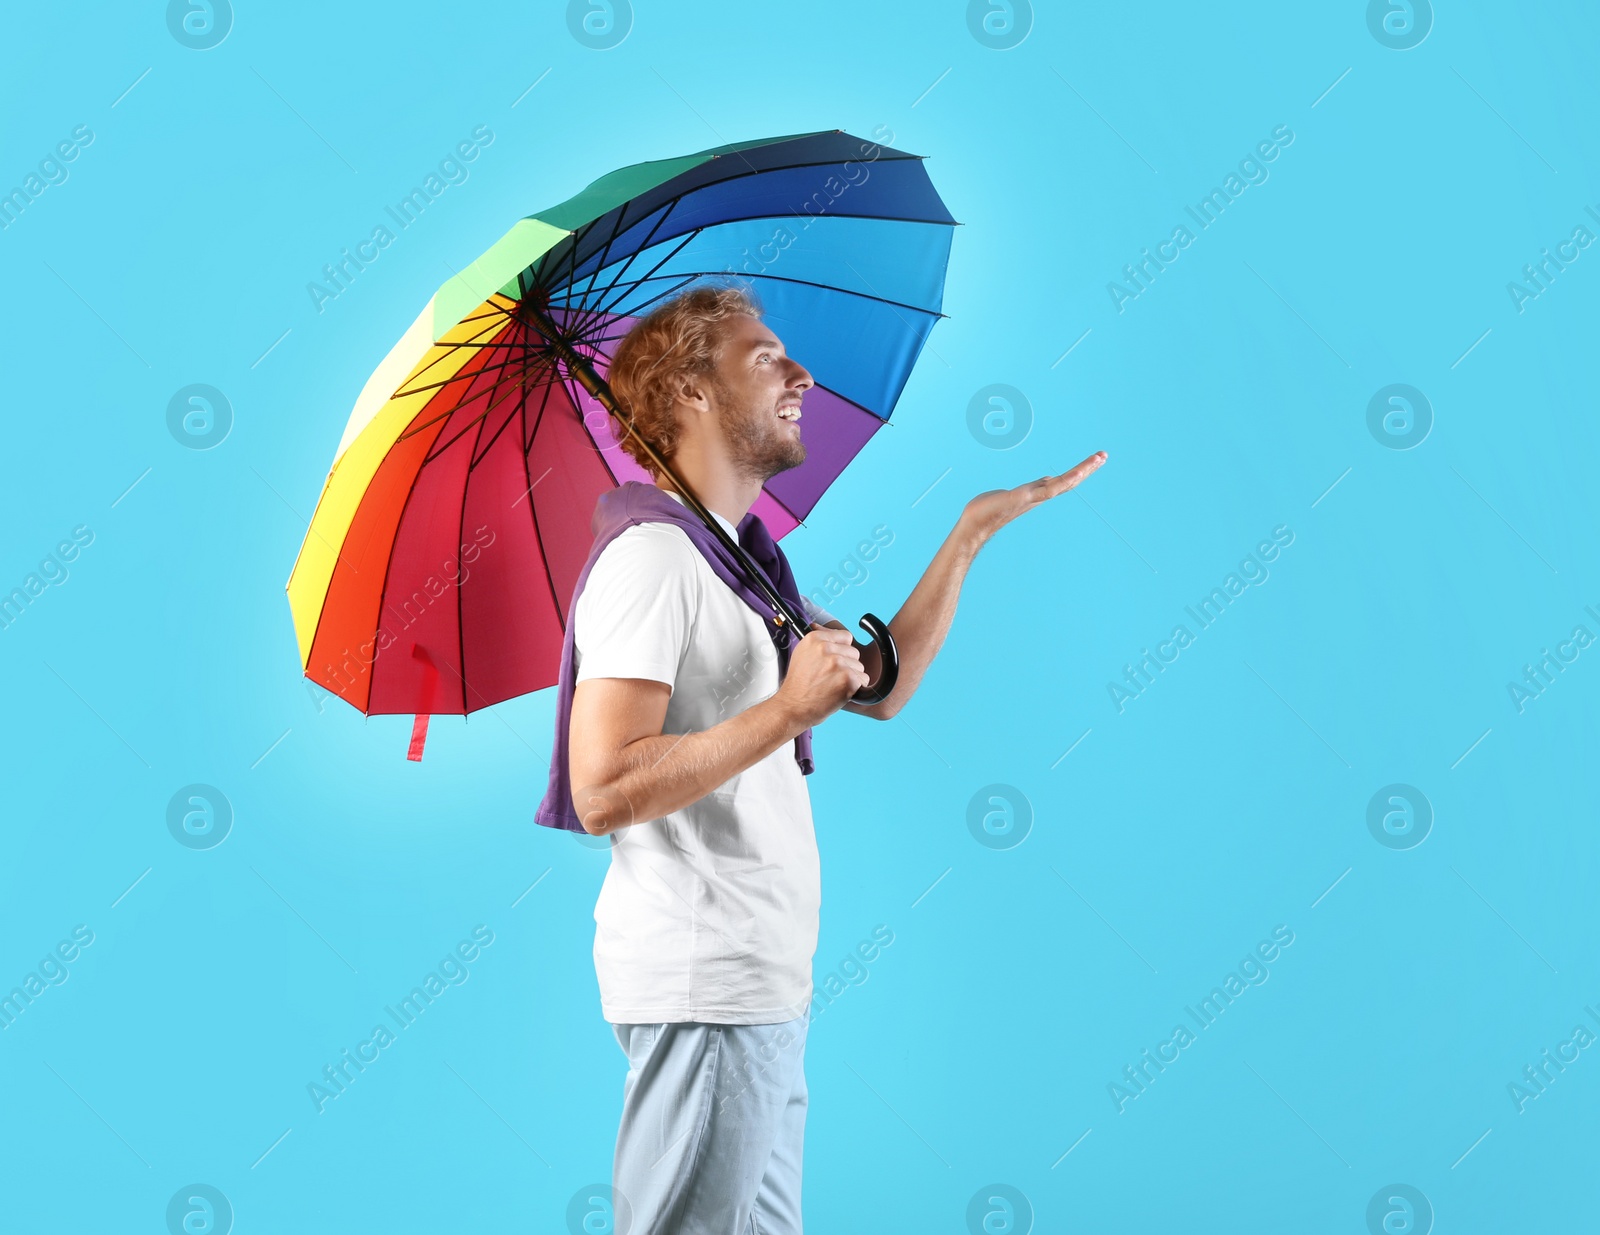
[617, 510]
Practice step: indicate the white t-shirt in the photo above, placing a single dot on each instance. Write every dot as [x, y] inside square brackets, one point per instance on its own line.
[710, 913]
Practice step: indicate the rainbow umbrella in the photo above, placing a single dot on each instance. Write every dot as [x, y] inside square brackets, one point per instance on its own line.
[436, 572]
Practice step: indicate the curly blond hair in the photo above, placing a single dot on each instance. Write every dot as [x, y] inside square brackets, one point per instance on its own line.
[678, 339]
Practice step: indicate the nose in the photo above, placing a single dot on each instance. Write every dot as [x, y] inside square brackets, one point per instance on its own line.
[799, 376]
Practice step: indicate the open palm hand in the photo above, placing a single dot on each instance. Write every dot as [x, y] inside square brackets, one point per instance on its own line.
[987, 513]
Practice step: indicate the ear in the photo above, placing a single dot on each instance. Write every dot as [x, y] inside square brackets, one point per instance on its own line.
[694, 394]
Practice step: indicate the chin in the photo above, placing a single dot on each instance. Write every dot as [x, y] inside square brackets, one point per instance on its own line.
[791, 459]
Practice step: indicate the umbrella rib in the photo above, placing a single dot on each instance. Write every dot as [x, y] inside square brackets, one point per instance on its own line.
[338, 550]
[465, 686]
[479, 419]
[616, 231]
[587, 316]
[488, 368]
[527, 441]
[586, 319]
[446, 348]
[482, 454]
[827, 287]
[634, 311]
[533, 515]
[495, 311]
[623, 269]
[628, 261]
[669, 206]
[488, 392]
[865, 412]
[413, 430]
[805, 221]
[388, 570]
[673, 201]
[544, 260]
[461, 584]
[860, 407]
[577, 239]
[783, 167]
[758, 218]
[322, 607]
[512, 344]
[605, 310]
[789, 510]
[572, 257]
[783, 505]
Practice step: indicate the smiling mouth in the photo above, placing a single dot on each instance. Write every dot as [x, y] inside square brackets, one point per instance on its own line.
[789, 412]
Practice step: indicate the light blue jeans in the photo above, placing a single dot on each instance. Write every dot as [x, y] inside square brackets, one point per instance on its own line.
[713, 1124]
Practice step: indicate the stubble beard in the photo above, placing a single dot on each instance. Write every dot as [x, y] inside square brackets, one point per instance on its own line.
[756, 449]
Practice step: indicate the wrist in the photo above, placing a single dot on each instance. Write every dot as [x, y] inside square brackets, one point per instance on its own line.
[969, 535]
[783, 715]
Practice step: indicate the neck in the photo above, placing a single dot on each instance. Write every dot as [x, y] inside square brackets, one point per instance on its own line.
[720, 486]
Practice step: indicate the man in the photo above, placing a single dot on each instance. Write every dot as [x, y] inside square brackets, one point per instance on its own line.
[682, 735]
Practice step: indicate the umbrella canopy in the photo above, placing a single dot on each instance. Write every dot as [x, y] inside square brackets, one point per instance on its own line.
[438, 569]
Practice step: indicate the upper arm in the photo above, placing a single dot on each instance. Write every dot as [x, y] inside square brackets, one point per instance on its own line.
[607, 715]
[632, 626]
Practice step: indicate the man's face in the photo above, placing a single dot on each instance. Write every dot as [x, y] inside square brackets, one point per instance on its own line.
[754, 381]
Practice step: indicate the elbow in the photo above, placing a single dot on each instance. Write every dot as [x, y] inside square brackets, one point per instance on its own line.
[603, 808]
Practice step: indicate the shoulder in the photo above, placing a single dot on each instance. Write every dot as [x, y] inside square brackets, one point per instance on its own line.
[664, 543]
[647, 558]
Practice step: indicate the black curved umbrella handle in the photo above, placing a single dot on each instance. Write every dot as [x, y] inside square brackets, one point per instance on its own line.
[888, 660]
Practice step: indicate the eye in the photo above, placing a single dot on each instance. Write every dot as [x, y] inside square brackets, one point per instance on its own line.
[765, 356]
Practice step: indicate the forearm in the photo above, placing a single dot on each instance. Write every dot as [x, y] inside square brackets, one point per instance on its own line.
[920, 627]
[666, 772]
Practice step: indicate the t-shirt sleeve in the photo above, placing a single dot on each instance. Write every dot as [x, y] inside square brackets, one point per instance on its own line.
[637, 608]
[818, 615]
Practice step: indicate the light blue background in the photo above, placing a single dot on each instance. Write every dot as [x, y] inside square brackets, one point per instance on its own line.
[1224, 801]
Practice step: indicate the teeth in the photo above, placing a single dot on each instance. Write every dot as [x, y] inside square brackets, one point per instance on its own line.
[790, 413]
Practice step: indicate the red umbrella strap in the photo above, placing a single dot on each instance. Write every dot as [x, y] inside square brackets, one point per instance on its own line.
[430, 684]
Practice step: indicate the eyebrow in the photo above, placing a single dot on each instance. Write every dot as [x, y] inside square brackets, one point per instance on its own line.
[759, 343]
